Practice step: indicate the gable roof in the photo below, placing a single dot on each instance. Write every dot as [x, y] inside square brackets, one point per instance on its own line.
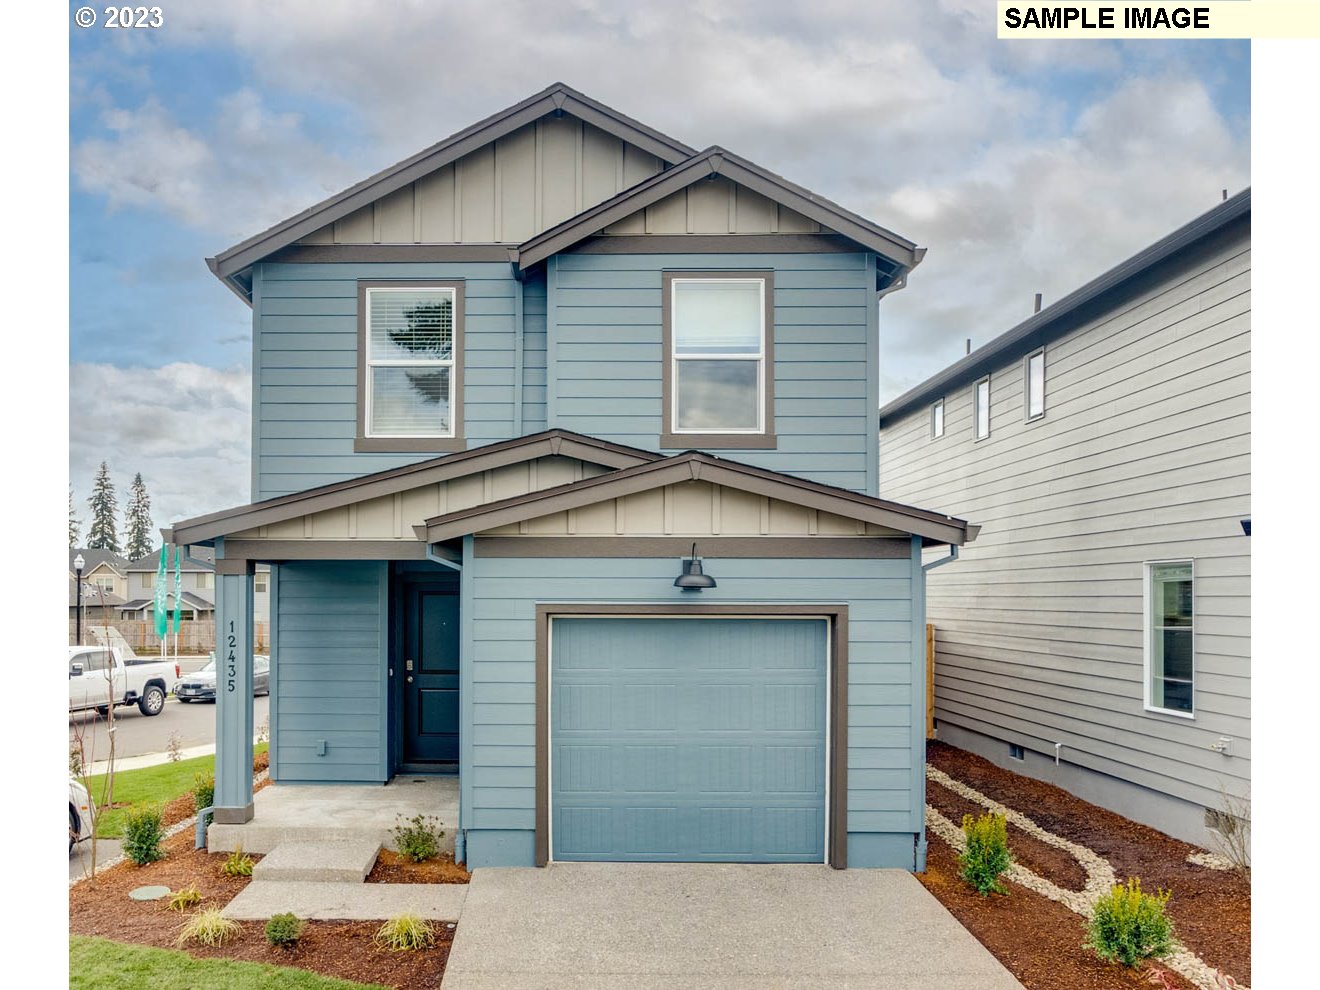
[92, 596]
[693, 465]
[1056, 320]
[903, 255]
[550, 442]
[93, 559]
[190, 600]
[151, 562]
[229, 264]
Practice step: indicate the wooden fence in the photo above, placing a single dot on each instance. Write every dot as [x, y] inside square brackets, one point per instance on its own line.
[195, 636]
[930, 681]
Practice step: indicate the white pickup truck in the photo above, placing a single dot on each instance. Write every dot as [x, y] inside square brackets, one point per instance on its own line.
[99, 677]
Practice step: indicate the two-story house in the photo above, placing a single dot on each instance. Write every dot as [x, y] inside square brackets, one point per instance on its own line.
[1098, 635]
[564, 462]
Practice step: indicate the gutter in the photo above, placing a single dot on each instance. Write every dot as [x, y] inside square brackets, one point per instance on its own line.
[953, 555]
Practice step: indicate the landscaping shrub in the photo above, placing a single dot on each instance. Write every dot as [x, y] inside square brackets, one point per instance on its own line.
[403, 933]
[207, 928]
[204, 793]
[987, 853]
[183, 899]
[1130, 925]
[143, 833]
[283, 930]
[418, 837]
[237, 865]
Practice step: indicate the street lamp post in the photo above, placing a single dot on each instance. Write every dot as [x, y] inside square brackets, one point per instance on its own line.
[78, 564]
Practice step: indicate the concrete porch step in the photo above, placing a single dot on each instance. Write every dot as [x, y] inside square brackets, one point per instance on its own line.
[335, 901]
[335, 860]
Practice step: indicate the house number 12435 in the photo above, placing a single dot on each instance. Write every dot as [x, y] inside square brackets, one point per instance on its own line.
[232, 669]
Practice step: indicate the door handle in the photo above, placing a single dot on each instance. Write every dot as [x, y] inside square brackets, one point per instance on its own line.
[409, 678]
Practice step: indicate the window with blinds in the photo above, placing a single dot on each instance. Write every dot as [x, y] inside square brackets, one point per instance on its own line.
[718, 355]
[410, 362]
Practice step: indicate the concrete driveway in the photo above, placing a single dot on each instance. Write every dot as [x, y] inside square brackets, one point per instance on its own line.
[688, 926]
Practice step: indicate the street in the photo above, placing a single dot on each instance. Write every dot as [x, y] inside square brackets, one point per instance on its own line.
[138, 735]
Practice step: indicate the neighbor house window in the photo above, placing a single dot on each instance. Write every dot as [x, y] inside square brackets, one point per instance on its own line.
[410, 374]
[1170, 613]
[205, 580]
[106, 584]
[259, 583]
[937, 419]
[981, 406]
[147, 580]
[719, 354]
[1034, 376]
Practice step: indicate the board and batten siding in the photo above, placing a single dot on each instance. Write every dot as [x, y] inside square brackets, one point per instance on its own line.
[605, 355]
[329, 671]
[885, 755]
[1143, 454]
[305, 367]
[507, 191]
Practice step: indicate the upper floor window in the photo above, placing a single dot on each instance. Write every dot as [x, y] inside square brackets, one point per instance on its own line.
[205, 579]
[1034, 377]
[719, 359]
[1169, 653]
[147, 579]
[410, 371]
[104, 582]
[260, 583]
[981, 408]
[937, 419]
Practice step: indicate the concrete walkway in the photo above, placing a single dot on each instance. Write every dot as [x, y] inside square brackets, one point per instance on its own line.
[325, 900]
[711, 926]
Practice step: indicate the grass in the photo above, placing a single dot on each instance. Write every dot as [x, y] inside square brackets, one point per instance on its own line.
[98, 964]
[161, 783]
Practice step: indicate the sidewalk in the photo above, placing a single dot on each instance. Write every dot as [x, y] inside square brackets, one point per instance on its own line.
[154, 759]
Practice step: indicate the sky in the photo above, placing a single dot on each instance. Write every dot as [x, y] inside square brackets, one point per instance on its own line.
[1022, 167]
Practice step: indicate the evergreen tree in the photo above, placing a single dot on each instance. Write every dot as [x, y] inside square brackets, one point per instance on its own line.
[105, 506]
[75, 524]
[137, 520]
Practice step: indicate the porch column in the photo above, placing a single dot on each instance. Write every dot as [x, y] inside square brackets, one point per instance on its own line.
[233, 691]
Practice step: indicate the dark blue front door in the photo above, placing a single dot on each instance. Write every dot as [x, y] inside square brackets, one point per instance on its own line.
[430, 674]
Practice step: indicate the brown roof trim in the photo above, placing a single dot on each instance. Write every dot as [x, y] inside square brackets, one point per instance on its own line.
[557, 97]
[903, 254]
[691, 466]
[205, 528]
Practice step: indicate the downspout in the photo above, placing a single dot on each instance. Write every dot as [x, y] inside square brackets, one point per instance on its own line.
[518, 288]
[953, 555]
[460, 845]
[925, 568]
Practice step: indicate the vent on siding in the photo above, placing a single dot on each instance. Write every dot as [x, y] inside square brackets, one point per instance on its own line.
[1016, 752]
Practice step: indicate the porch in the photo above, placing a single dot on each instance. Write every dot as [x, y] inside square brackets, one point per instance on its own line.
[284, 813]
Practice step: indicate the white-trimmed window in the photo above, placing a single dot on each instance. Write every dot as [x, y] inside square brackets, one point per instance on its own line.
[410, 366]
[981, 408]
[260, 582]
[147, 579]
[205, 580]
[1170, 646]
[937, 419]
[1033, 375]
[719, 338]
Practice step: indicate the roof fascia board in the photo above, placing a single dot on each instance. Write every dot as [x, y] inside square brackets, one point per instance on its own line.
[689, 467]
[1060, 317]
[478, 135]
[208, 527]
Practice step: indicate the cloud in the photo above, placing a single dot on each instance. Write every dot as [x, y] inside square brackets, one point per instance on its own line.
[185, 427]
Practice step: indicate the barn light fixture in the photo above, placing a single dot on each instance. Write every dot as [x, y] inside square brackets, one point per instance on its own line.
[691, 578]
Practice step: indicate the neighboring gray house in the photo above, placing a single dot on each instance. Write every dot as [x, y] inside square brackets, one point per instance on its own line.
[102, 569]
[197, 575]
[501, 390]
[1098, 634]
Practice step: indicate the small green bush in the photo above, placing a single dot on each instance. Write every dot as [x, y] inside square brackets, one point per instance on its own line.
[204, 793]
[403, 933]
[182, 900]
[987, 853]
[237, 865]
[283, 930]
[143, 833]
[207, 928]
[1129, 925]
[418, 837]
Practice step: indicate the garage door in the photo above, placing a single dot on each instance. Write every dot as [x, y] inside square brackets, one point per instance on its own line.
[688, 740]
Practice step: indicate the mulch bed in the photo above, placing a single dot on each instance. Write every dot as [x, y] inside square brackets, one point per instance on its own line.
[392, 868]
[334, 948]
[1041, 941]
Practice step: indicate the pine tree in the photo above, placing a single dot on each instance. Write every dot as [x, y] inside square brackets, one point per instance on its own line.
[104, 505]
[75, 524]
[137, 520]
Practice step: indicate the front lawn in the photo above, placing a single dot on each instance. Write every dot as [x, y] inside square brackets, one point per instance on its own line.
[104, 965]
[163, 783]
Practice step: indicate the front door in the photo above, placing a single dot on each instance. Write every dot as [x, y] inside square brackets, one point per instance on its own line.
[430, 674]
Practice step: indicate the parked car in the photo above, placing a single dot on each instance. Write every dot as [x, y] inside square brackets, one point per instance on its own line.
[100, 677]
[81, 813]
[201, 685]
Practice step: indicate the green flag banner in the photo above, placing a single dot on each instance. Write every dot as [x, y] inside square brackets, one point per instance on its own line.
[162, 617]
[178, 588]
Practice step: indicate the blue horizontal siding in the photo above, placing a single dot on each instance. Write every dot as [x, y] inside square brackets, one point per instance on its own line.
[328, 667]
[605, 354]
[499, 765]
